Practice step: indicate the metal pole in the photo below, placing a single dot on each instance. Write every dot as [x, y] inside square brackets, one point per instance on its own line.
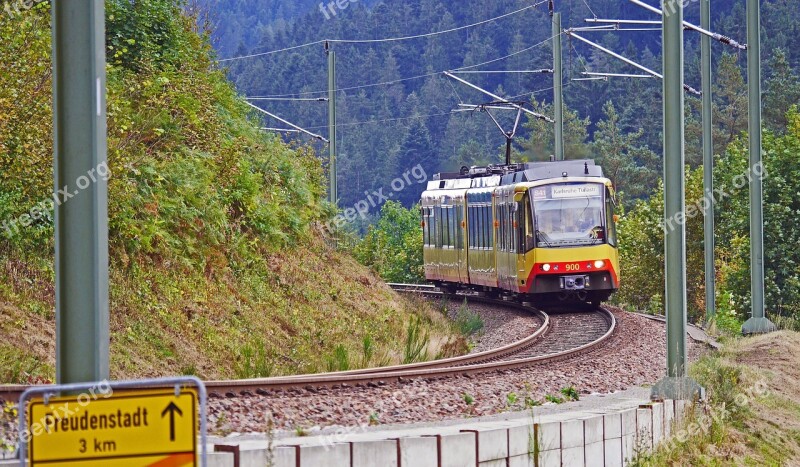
[708, 161]
[675, 385]
[81, 221]
[332, 192]
[757, 323]
[558, 92]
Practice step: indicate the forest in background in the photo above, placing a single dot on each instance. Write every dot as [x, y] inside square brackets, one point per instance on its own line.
[385, 130]
[389, 128]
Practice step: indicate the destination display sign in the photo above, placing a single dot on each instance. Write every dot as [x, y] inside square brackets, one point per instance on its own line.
[143, 428]
[575, 191]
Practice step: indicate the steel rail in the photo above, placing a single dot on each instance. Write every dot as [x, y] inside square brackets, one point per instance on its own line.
[451, 362]
[499, 359]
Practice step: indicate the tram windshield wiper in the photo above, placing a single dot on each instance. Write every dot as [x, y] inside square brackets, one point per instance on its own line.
[542, 237]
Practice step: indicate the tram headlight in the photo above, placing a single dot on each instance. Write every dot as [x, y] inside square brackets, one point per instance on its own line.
[599, 264]
[545, 267]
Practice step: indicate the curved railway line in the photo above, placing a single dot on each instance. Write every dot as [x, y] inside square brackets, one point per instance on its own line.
[560, 335]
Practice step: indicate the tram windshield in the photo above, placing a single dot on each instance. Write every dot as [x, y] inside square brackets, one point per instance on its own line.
[568, 214]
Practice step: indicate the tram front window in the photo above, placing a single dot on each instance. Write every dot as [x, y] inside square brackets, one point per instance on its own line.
[568, 215]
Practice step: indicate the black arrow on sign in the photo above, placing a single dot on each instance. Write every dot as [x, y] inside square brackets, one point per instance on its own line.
[171, 408]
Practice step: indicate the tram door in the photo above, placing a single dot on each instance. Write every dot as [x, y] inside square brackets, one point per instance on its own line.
[459, 204]
[506, 227]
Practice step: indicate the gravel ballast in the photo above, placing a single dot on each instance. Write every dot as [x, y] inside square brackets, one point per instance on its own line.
[635, 355]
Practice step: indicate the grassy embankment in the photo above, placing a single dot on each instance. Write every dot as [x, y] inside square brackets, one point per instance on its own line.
[752, 415]
[219, 264]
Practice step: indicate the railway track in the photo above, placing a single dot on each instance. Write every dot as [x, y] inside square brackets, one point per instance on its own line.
[560, 335]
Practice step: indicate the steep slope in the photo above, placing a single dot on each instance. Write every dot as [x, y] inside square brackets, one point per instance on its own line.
[219, 266]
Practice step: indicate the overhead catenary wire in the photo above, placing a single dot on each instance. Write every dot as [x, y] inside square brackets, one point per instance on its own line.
[426, 75]
[589, 8]
[414, 117]
[389, 39]
[385, 120]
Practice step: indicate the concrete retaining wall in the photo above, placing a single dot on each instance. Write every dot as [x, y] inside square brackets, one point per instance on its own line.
[610, 436]
[604, 437]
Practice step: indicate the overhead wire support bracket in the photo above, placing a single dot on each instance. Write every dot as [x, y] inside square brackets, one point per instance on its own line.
[630, 62]
[498, 98]
[477, 72]
[612, 28]
[290, 99]
[612, 22]
[292, 125]
[615, 75]
[718, 37]
[280, 130]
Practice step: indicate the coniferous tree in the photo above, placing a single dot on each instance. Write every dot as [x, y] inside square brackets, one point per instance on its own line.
[629, 164]
[783, 91]
[730, 98]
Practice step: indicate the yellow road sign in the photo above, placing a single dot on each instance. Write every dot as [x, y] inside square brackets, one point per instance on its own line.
[144, 428]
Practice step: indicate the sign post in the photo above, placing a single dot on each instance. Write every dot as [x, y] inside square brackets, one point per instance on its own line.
[81, 198]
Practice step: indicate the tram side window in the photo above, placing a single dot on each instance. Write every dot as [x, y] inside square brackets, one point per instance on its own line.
[424, 213]
[489, 226]
[503, 239]
[518, 227]
[486, 226]
[451, 232]
[512, 228]
[438, 226]
[509, 226]
[506, 232]
[478, 227]
[451, 226]
[501, 219]
[459, 227]
[445, 227]
[475, 221]
[527, 233]
[431, 223]
[470, 223]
